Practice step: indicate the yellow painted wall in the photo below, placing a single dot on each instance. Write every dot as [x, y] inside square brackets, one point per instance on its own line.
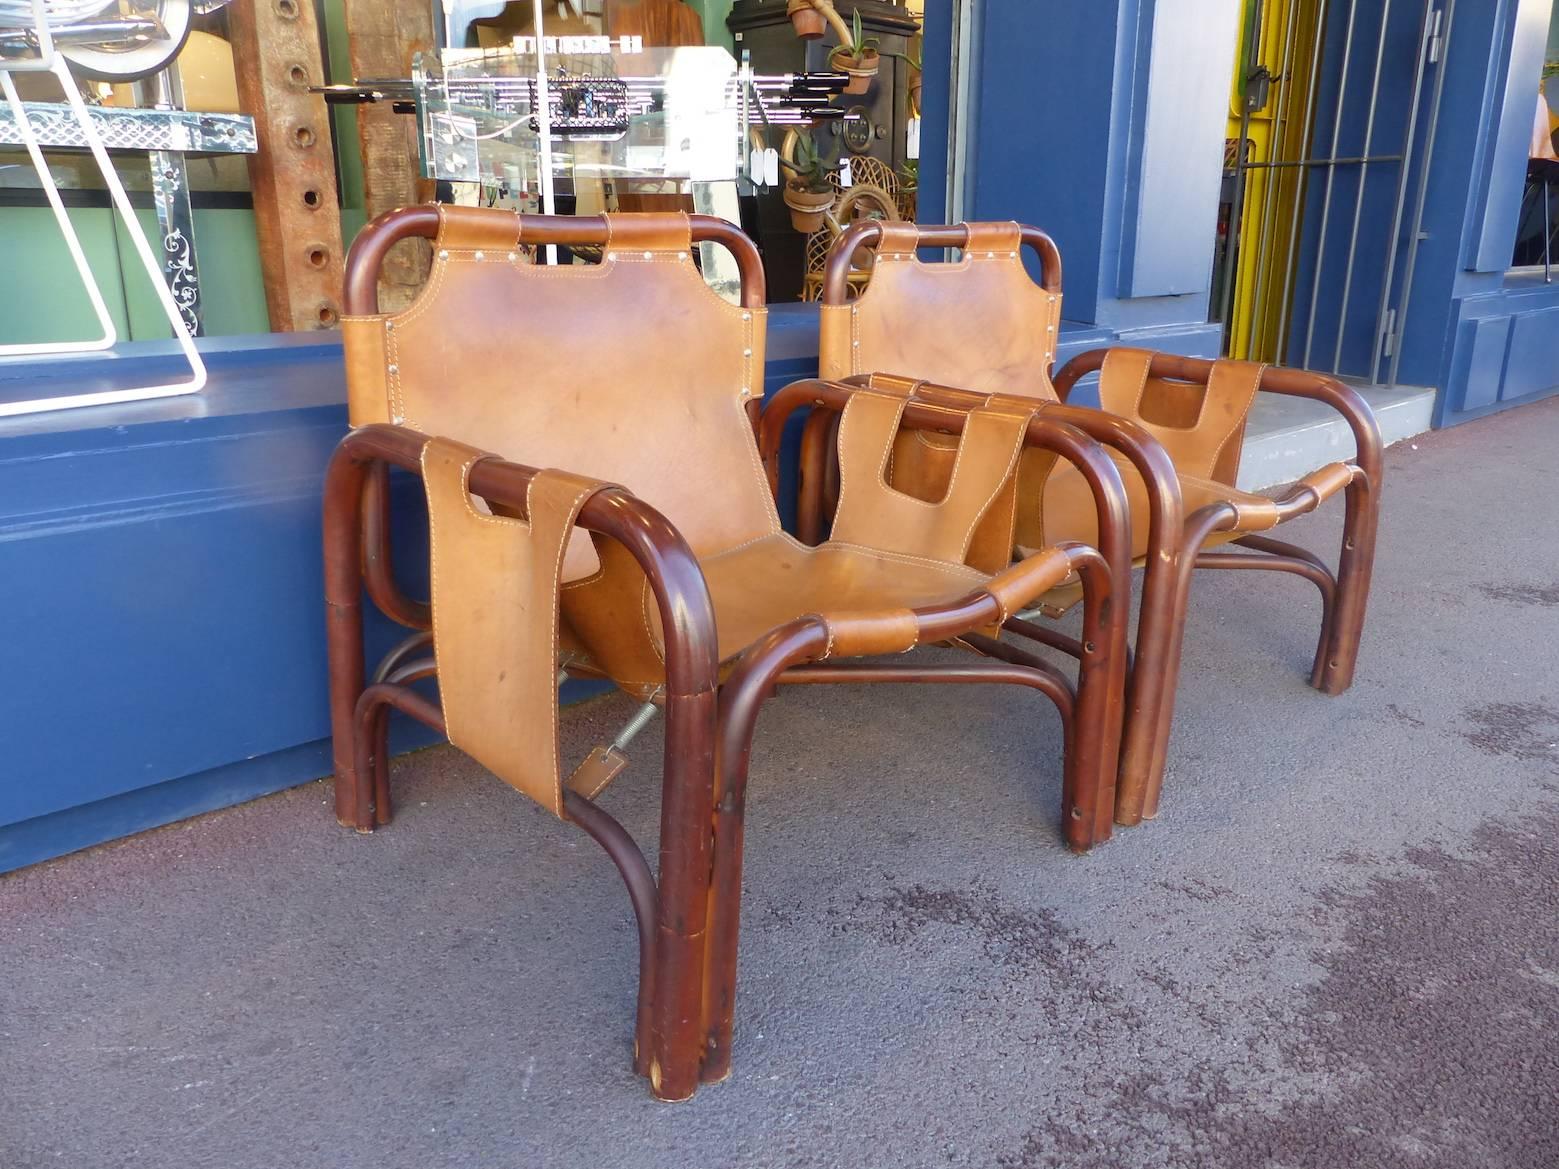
[1273, 198]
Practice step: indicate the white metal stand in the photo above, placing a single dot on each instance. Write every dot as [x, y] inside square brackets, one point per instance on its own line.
[50, 61]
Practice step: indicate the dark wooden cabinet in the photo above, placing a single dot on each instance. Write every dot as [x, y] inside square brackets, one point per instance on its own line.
[761, 28]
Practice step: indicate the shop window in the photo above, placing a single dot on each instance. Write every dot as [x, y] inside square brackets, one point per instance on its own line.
[1537, 230]
[859, 162]
[128, 75]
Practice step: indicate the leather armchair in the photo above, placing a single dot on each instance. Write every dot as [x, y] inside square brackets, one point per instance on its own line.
[981, 324]
[598, 506]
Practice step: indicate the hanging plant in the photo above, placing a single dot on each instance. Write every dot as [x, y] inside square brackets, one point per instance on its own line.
[860, 58]
[808, 192]
[805, 19]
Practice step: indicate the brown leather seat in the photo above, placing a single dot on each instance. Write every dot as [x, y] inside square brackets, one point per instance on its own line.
[632, 533]
[981, 324]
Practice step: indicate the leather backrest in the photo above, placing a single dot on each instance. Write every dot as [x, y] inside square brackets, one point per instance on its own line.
[631, 370]
[876, 515]
[1201, 426]
[979, 324]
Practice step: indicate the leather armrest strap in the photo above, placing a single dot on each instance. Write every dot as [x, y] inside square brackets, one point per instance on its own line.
[1327, 481]
[863, 634]
[1030, 578]
[495, 617]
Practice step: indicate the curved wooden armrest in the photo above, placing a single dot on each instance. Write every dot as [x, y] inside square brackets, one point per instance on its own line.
[869, 632]
[1294, 383]
[677, 582]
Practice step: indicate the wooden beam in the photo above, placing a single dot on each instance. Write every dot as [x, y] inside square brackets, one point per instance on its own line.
[297, 208]
[383, 36]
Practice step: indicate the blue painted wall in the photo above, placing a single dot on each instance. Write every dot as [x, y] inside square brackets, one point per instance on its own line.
[1484, 335]
[1103, 124]
[1495, 332]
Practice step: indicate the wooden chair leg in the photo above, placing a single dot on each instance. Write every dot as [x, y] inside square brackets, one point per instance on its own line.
[1355, 566]
[1092, 762]
[635, 870]
[1281, 557]
[344, 629]
[676, 1036]
[1139, 803]
[752, 680]
[1154, 670]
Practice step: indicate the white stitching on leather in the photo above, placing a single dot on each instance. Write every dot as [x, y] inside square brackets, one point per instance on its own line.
[1261, 371]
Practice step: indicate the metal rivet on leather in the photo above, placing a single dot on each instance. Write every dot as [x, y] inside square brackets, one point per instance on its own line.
[388, 325]
[649, 255]
[392, 369]
[513, 256]
[746, 352]
[746, 316]
[443, 254]
[611, 255]
[478, 257]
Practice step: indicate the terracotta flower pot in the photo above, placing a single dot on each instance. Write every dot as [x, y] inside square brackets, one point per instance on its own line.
[860, 70]
[807, 208]
[806, 20]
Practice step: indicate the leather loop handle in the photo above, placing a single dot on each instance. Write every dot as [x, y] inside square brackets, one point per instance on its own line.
[469, 228]
[874, 514]
[656, 232]
[495, 582]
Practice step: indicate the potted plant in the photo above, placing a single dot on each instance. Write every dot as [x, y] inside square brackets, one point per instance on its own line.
[805, 19]
[860, 59]
[808, 193]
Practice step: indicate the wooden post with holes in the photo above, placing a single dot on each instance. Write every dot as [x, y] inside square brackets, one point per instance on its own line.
[293, 176]
[384, 36]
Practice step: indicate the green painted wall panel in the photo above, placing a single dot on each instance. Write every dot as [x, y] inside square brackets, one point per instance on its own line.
[44, 299]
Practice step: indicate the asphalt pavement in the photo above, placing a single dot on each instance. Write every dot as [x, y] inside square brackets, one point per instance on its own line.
[1337, 946]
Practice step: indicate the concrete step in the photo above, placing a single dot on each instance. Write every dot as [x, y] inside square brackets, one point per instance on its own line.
[1288, 437]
